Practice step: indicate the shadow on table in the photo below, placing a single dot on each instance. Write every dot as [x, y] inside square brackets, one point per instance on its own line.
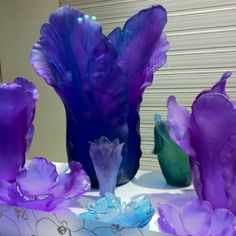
[152, 180]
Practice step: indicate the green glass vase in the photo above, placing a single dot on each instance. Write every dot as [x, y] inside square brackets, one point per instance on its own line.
[173, 161]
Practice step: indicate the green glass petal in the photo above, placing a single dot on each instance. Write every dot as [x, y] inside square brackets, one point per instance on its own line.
[173, 161]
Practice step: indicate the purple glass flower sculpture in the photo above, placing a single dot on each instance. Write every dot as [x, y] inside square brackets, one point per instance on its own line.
[17, 110]
[100, 79]
[40, 187]
[106, 157]
[208, 137]
[196, 218]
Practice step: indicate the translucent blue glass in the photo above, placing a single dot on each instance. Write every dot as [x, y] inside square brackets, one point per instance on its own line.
[136, 213]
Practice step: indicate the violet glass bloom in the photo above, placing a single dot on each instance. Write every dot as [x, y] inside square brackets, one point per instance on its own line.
[196, 218]
[100, 79]
[40, 186]
[208, 136]
[17, 110]
[106, 157]
[136, 213]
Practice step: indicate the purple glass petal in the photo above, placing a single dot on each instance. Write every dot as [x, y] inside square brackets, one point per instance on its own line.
[198, 181]
[63, 54]
[146, 44]
[41, 202]
[17, 113]
[5, 187]
[39, 178]
[196, 211]
[219, 87]
[72, 184]
[179, 125]
[29, 137]
[223, 223]
[157, 60]
[31, 89]
[228, 161]
[170, 221]
[196, 218]
[107, 158]
[210, 131]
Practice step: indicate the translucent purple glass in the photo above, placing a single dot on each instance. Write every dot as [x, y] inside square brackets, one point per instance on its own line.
[196, 218]
[101, 79]
[208, 136]
[38, 186]
[17, 108]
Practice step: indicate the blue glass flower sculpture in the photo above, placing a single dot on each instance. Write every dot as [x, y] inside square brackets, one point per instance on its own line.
[101, 79]
[106, 157]
[37, 186]
[208, 137]
[137, 213]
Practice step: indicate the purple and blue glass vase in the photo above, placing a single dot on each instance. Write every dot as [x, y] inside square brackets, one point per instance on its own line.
[101, 79]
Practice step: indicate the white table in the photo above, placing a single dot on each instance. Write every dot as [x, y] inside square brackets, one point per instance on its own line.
[16, 221]
[154, 186]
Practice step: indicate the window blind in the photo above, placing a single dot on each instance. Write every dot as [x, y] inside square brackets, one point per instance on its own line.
[202, 35]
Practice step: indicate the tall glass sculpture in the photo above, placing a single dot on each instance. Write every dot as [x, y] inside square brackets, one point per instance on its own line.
[101, 79]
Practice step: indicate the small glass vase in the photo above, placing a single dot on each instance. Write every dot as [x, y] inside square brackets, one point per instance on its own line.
[173, 161]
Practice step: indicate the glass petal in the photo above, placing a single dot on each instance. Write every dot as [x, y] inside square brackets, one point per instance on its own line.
[17, 110]
[39, 178]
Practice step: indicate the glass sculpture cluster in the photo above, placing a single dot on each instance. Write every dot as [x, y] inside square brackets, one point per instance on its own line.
[101, 80]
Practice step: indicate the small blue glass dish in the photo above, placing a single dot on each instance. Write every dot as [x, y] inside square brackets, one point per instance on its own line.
[137, 213]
